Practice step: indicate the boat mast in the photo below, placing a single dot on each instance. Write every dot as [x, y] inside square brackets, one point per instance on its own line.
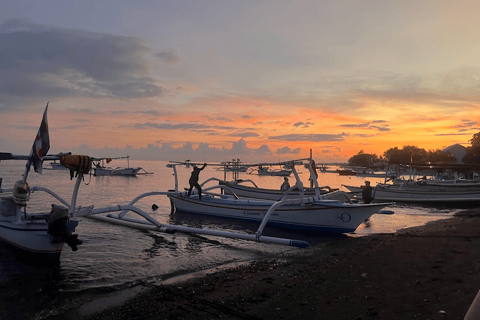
[75, 193]
[311, 181]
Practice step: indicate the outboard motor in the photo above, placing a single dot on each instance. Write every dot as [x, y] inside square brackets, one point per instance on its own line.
[59, 229]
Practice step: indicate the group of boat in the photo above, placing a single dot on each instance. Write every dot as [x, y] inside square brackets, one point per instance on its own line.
[428, 190]
[362, 172]
[317, 209]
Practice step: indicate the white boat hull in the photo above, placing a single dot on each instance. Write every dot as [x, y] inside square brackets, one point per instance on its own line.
[131, 172]
[260, 193]
[281, 173]
[424, 194]
[31, 237]
[321, 216]
[55, 166]
[271, 194]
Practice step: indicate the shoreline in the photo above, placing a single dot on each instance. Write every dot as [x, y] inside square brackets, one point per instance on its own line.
[425, 272]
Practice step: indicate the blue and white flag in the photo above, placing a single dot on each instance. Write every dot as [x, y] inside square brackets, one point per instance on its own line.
[41, 144]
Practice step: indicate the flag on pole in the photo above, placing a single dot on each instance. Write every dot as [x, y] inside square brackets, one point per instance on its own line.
[41, 144]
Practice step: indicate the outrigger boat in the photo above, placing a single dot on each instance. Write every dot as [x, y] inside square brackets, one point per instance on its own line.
[317, 213]
[241, 189]
[233, 166]
[263, 170]
[54, 166]
[249, 189]
[100, 169]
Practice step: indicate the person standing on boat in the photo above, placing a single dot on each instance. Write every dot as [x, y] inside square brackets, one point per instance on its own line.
[367, 193]
[285, 186]
[193, 181]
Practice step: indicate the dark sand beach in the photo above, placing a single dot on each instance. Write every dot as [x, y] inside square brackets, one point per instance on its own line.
[427, 272]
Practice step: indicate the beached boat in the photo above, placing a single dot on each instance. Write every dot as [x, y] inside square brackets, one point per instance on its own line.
[100, 169]
[312, 214]
[305, 214]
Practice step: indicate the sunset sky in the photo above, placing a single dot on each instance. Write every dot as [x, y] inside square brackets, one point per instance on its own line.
[255, 80]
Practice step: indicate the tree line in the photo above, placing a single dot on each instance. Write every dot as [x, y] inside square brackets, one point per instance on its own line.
[416, 155]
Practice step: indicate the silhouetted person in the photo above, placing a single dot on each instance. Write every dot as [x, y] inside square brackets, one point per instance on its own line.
[193, 181]
[367, 193]
[285, 186]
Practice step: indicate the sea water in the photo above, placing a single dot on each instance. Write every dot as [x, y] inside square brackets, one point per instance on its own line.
[117, 257]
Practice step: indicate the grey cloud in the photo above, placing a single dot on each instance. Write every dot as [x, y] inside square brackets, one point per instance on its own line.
[355, 125]
[169, 126]
[287, 150]
[224, 119]
[42, 61]
[367, 125]
[154, 112]
[310, 137]
[239, 147]
[466, 124]
[263, 150]
[244, 134]
[221, 118]
[450, 134]
[181, 126]
[169, 56]
[303, 124]
[380, 128]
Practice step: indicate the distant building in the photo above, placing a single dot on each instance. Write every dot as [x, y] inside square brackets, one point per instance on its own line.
[458, 151]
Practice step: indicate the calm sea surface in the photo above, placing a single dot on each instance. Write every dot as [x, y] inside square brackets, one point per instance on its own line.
[117, 257]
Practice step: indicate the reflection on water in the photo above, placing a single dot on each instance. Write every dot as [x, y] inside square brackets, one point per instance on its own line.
[113, 256]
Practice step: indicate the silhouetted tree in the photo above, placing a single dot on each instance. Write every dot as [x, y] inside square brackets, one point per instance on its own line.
[408, 154]
[363, 159]
[473, 152]
[438, 156]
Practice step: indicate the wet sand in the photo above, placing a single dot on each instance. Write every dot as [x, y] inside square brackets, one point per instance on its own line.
[427, 272]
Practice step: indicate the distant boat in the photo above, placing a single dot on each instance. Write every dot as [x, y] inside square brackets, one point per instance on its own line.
[100, 169]
[54, 166]
[265, 171]
[347, 172]
[234, 165]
